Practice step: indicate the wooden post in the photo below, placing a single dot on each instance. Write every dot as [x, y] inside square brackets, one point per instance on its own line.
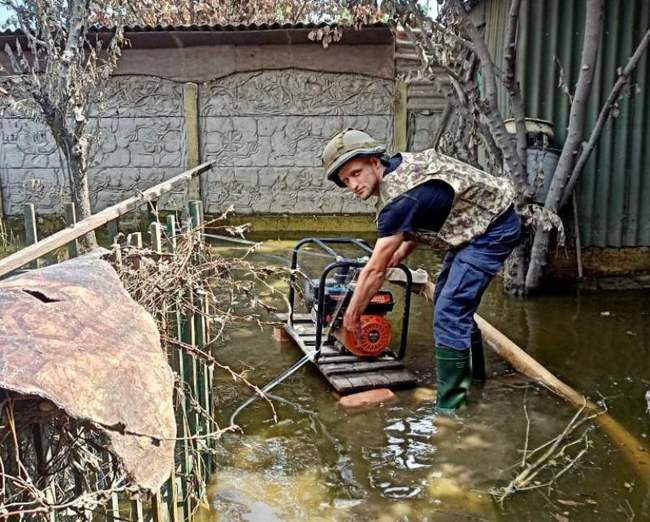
[170, 231]
[112, 510]
[112, 229]
[176, 362]
[31, 234]
[171, 496]
[155, 236]
[212, 425]
[157, 513]
[134, 239]
[188, 336]
[79, 490]
[137, 513]
[152, 209]
[196, 218]
[183, 367]
[205, 378]
[191, 117]
[400, 116]
[43, 453]
[70, 220]
[2, 204]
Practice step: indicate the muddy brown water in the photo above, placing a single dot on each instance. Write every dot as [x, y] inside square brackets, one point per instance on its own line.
[400, 462]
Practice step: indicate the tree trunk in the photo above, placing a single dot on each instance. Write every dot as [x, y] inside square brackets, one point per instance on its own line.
[81, 198]
[592, 37]
[514, 271]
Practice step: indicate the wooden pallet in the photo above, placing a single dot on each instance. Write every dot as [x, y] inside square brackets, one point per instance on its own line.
[348, 373]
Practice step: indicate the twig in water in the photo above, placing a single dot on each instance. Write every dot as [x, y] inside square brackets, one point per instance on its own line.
[553, 452]
[523, 457]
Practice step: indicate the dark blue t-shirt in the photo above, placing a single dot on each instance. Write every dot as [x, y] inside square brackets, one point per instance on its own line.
[423, 207]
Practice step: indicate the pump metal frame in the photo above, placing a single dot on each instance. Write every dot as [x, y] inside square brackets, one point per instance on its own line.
[342, 262]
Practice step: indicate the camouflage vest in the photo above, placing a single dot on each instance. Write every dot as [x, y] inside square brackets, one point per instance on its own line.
[479, 198]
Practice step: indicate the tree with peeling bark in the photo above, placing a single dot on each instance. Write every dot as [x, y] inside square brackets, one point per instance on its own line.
[454, 43]
[57, 73]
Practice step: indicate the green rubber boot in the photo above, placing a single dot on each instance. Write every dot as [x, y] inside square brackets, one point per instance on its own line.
[478, 358]
[454, 377]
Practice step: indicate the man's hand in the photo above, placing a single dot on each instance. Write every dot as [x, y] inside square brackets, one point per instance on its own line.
[395, 260]
[370, 280]
[352, 322]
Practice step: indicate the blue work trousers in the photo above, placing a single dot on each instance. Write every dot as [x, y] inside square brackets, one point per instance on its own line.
[465, 274]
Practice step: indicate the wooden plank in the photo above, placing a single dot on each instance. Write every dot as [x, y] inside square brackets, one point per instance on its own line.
[326, 350]
[353, 383]
[358, 367]
[348, 383]
[305, 328]
[338, 358]
[341, 384]
[297, 318]
[63, 237]
[348, 373]
[370, 379]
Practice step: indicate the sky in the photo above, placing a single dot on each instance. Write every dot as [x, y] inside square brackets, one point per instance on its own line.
[4, 13]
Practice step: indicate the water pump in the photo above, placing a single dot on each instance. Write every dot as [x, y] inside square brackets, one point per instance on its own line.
[376, 330]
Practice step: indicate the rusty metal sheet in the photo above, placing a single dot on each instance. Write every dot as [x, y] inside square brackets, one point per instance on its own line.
[72, 334]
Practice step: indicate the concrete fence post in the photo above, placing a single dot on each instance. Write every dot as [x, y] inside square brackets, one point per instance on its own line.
[191, 122]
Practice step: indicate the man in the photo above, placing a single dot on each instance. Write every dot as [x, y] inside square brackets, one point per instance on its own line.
[431, 198]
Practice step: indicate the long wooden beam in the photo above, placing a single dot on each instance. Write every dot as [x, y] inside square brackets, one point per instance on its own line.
[633, 449]
[63, 237]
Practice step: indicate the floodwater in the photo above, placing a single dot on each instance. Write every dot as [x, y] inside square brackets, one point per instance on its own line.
[400, 462]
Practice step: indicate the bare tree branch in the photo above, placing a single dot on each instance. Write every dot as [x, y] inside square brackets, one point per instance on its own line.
[592, 36]
[622, 80]
[510, 81]
[491, 108]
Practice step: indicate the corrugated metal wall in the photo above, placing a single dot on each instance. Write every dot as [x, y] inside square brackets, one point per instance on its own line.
[614, 190]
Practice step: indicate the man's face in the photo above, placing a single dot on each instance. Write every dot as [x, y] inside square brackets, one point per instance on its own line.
[362, 176]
